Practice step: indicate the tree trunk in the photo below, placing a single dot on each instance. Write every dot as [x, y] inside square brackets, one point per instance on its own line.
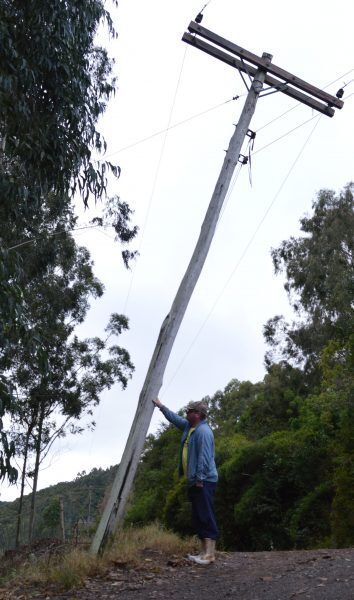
[23, 477]
[35, 473]
[62, 521]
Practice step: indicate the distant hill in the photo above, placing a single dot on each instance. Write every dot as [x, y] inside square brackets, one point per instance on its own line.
[82, 499]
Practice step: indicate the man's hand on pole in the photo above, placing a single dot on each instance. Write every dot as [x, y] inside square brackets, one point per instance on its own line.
[157, 403]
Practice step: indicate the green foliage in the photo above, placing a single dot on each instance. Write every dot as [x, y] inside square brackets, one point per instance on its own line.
[50, 516]
[227, 446]
[59, 384]
[156, 474]
[82, 501]
[342, 517]
[227, 407]
[261, 485]
[177, 511]
[310, 523]
[276, 402]
[319, 268]
[58, 281]
[285, 445]
[54, 85]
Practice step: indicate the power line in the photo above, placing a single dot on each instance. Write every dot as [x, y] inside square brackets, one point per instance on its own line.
[205, 5]
[204, 112]
[351, 81]
[292, 130]
[300, 103]
[157, 172]
[232, 185]
[161, 131]
[233, 182]
[55, 233]
[230, 190]
[203, 9]
[285, 134]
[243, 254]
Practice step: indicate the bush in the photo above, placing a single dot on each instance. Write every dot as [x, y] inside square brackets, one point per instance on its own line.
[177, 511]
[262, 485]
[310, 523]
[342, 518]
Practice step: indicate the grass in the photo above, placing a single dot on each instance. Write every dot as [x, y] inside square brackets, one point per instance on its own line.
[129, 542]
[72, 568]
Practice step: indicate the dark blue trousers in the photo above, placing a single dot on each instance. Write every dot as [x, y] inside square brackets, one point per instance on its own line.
[203, 513]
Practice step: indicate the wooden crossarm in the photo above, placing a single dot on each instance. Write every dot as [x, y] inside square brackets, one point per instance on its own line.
[269, 80]
[285, 76]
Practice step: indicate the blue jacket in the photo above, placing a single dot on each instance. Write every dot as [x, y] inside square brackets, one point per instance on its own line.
[201, 460]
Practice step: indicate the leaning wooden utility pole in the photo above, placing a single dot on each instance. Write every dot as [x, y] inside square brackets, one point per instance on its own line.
[114, 510]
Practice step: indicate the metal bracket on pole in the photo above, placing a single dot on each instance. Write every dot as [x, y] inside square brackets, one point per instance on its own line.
[243, 159]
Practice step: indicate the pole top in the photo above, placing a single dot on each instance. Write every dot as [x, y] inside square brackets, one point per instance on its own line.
[267, 56]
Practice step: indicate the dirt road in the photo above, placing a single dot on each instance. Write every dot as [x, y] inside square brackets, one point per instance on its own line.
[314, 575]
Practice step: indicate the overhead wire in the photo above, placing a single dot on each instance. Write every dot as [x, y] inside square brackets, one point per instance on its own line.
[235, 176]
[156, 176]
[230, 190]
[292, 130]
[204, 112]
[239, 167]
[301, 104]
[152, 194]
[243, 254]
[204, 7]
[53, 234]
[284, 135]
[161, 131]
[232, 184]
[345, 84]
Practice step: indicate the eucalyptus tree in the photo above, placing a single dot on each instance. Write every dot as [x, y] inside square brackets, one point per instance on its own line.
[57, 386]
[319, 269]
[54, 85]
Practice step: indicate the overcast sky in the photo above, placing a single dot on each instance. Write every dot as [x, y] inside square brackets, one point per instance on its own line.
[168, 181]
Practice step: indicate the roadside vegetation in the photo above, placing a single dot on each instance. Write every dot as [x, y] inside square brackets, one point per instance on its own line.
[284, 445]
[55, 84]
[68, 567]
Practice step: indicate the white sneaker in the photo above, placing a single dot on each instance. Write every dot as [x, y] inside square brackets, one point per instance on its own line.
[196, 557]
[209, 555]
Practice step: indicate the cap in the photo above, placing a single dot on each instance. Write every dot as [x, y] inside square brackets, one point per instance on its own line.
[198, 406]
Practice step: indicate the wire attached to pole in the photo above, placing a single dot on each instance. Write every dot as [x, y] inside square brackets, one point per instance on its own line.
[198, 19]
[243, 254]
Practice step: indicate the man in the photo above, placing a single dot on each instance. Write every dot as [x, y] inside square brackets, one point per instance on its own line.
[197, 464]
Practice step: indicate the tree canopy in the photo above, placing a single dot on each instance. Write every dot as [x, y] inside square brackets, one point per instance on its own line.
[319, 280]
[55, 82]
[284, 445]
